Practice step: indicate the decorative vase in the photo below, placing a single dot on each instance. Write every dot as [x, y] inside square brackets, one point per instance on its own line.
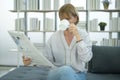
[106, 4]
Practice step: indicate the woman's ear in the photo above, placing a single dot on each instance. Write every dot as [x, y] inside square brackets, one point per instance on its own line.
[76, 20]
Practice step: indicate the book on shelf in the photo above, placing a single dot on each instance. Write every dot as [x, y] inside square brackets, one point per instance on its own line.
[79, 8]
[93, 25]
[67, 1]
[114, 24]
[56, 4]
[118, 23]
[117, 4]
[20, 24]
[118, 42]
[48, 24]
[26, 5]
[34, 24]
[19, 4]
[33, 5]
[110, 42]
[46, 4]
[93, 4]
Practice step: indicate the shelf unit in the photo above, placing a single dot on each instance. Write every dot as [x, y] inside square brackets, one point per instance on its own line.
[110, 12]
[87, 11]
[110, 32]
[44, 16]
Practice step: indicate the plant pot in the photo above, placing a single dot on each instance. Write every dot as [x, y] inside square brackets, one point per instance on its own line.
[102, 28]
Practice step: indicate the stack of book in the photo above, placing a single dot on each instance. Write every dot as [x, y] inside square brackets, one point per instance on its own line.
[93, 25]
[34, 24]
[114, 24]
[46, 4]
[117, 4]
[110, 42]
[56, 4]
[20, 24]
[33, 4]
[67, 1]
[26, 5]
[48, 24]
[93, 4]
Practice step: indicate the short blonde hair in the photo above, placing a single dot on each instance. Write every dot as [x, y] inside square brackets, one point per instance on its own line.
[69, 10]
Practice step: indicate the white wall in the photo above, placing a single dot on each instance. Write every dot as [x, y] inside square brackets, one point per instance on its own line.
[6, 42]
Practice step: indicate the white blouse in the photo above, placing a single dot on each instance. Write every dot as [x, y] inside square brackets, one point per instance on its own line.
[76, 55]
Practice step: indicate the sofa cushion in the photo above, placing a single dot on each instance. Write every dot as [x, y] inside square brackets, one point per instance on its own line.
[27, 73]
[92, 76]
[106, 59]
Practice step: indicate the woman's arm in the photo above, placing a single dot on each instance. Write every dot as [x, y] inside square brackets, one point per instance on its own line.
[84, 48]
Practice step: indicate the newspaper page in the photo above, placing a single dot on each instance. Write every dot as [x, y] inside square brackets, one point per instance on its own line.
[28, 49]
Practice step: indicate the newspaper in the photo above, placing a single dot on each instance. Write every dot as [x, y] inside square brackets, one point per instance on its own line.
[28, 49]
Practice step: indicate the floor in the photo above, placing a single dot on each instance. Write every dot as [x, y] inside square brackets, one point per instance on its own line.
[5, 69]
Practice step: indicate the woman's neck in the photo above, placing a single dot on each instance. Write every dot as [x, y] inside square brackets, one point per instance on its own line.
[68, 37]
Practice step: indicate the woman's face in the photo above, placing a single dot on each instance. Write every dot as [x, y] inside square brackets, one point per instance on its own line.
[71, 19]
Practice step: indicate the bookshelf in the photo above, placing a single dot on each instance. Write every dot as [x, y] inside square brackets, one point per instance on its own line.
[112, 22]
[26, 10]
[27, 26]
[92, 6]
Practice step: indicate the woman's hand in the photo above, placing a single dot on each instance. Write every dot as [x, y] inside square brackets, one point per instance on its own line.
[73, 29]
[26, 60]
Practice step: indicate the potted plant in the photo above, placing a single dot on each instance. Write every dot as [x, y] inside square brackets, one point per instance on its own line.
[106, 4]
[102, 25]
